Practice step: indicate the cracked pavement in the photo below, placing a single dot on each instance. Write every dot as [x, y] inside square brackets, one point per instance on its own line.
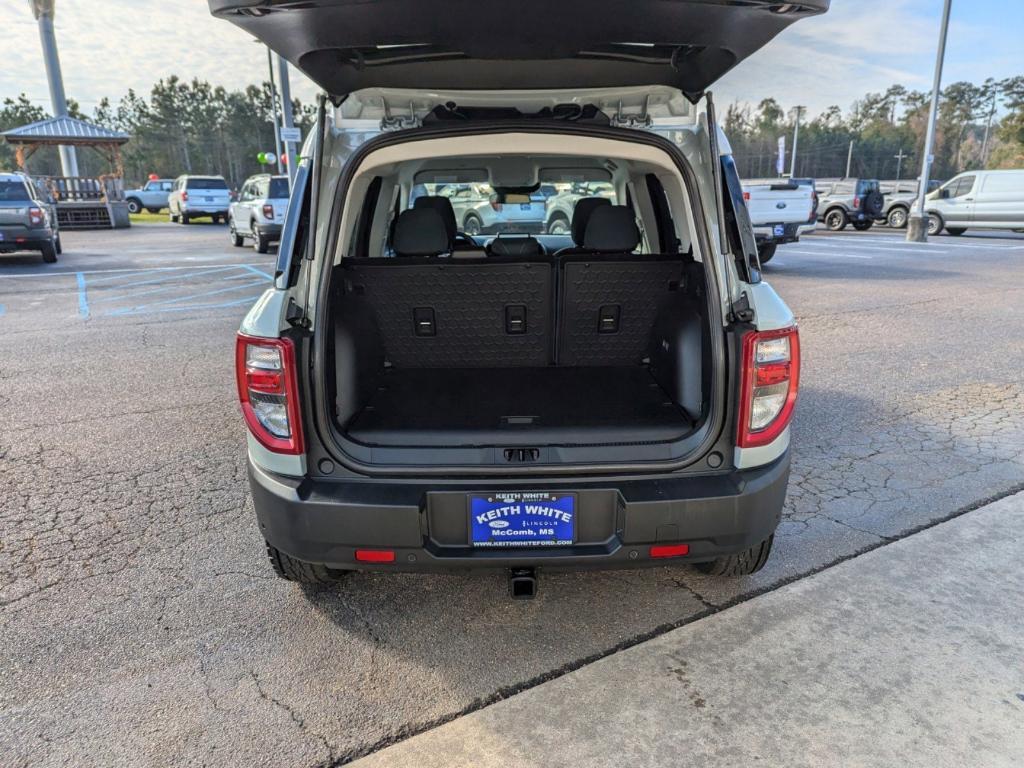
[143, 625]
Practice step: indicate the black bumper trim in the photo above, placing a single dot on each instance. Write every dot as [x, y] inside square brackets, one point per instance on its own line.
[424, 523]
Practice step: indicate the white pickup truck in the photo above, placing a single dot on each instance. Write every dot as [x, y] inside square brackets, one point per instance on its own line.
[780, 211]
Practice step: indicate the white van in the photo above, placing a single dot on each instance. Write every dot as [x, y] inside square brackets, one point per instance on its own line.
[977, 199]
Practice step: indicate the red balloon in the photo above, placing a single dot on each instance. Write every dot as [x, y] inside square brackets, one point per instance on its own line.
[284, 159]
[153, 177]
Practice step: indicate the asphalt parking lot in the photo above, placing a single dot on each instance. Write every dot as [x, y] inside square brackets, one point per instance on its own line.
[142, 624]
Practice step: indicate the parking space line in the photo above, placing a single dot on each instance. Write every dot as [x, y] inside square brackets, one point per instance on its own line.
[3, 310]
[186, 275]
[147, 307]
[931, 243]
[220, 305]
[83, 302]
[251, 268]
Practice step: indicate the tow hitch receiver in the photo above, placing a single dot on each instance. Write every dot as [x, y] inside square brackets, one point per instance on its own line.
[522, 583]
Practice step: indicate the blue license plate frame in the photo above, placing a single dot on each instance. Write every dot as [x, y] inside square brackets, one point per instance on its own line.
[522, 519]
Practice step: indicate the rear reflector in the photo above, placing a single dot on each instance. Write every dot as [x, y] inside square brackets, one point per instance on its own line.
[670, 550]
[375, 555]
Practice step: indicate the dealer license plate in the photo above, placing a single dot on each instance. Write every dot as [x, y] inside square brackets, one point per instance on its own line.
[533, 519]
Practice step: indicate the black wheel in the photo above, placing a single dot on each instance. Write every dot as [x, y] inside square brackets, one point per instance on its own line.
[49, 252]
[836, 220]
[260, 243]
[472, 225]
[184, 218]
[935, 224]
[863, 226]
[236, 239]
[558, 226]
[897, 218]
[956, 231]
[743, 564]
[766, 251]
[134, 205]
[58, 246]
[287, 567]
[172, 216]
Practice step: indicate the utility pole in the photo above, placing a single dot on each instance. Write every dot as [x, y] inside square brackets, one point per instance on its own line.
[288, 121]
[44, 12]
[796, 135]
[917, 226]
[849, 160]
[988, 127]
[899, 163]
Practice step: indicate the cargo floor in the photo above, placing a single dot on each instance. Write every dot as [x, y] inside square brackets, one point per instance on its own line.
[518, 406]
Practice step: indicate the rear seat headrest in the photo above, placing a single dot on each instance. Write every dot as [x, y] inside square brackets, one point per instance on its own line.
[581, 212]
[515, 246]
[444, 207]
[420, 232]
[612, 229]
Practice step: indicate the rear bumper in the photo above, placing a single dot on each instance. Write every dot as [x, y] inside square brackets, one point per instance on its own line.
[514, 228]
[269, 231]
[15, 237]
[765, 234]
[427, 525]
[204, 210]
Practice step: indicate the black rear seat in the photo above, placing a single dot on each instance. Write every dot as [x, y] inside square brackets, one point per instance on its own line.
[609, 296]
[438, 312]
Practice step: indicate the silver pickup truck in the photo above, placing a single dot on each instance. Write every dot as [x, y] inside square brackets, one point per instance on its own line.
[780, 211]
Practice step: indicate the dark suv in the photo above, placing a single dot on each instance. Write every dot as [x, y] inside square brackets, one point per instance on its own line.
[859, 202]
[419, 397]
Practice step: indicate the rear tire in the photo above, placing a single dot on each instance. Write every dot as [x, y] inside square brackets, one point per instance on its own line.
[743, 564]
[862, 226]
[134, 205]
[290, 569]
[836, 220]
[472, 225]
[766, 252]
[58, 246]
[260, 243]
[897, 218]
[956, 231]
[49, 251]
[559, 225]
[184, 219]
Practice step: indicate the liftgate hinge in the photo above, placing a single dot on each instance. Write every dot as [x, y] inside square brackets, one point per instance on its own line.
[742, 312]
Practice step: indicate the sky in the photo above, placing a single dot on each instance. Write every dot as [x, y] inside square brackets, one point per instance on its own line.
[109, 46]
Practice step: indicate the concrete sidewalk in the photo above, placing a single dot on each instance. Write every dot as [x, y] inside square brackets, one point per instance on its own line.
[912, 654]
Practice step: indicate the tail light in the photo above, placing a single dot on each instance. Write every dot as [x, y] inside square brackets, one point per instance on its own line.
[746, 196]
[495, 205]
[856, 202]
[771, 376]
[36, 217]
[268, 211]
[268, 390]
[184, 195]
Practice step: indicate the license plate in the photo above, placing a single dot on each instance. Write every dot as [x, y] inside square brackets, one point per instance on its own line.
[779, 230]
[524, 206]
[522, 519]
[209, 199]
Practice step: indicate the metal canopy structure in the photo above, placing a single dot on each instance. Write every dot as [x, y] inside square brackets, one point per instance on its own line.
[81, 201]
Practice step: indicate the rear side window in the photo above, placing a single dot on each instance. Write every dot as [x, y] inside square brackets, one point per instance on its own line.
[866, 187]
[206, 184]
[13, 192]
[279, 189]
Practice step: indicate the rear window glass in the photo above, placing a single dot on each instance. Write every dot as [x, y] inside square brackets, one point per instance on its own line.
[13, 192]
[480, 209]
[864, 187]
[278, 189]
[206, 184]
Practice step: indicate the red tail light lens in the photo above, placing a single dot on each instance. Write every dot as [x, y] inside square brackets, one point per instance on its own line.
[856, 202]
[495, 205]
[746, 196]
[184, 195]
[36, 217]
[268, 391]
[771, 377]
[268, 211]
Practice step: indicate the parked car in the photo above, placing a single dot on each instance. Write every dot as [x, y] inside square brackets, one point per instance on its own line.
[900, 198]
[411, 406]
[780, 211]
[195, 196]
[859, 202]
[977, 200]
[560, 206]
[259, 212]
[152, 196]
[483, 210]
[28, 218]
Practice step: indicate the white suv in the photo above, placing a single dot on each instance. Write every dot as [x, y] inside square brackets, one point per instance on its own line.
[195, 196]
[422, 398]
[259, 211]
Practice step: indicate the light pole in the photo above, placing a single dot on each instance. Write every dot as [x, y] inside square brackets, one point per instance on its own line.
[917, 225]
[44, 11]
[288, 121]
[273, 107]
[899, 163]
[796, 135]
